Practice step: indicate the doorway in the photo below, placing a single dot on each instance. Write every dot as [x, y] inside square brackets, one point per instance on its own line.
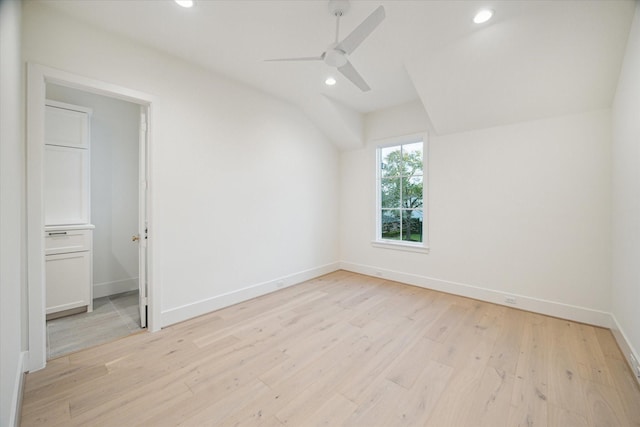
[41, 82]
[112, 193]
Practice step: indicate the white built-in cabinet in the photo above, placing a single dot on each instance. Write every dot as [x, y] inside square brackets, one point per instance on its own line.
[68, 267]
[68, 230]
[67, 164]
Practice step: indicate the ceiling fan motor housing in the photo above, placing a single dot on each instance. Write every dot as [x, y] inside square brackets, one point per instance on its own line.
[334, 57]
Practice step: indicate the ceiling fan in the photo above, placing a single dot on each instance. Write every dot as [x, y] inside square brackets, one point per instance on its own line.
[336, 53]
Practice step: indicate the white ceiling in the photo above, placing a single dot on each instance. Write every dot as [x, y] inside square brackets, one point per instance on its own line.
[534, 59]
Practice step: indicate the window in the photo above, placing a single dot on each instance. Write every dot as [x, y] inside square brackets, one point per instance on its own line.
[400, 194]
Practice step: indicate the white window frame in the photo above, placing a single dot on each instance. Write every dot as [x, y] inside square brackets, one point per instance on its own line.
[378, 241]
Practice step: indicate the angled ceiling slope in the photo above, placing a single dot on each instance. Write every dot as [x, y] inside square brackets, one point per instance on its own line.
[535, 59]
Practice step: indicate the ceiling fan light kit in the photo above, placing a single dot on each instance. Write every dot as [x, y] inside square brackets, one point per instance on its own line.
[337, 52]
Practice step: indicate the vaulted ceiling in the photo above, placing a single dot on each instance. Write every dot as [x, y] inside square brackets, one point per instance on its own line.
[534, 59]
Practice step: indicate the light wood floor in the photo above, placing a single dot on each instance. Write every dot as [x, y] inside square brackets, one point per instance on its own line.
[345, 349]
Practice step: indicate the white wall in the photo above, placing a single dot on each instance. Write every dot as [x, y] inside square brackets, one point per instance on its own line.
[521, 210]
[406, 119]
[626, 196]
[114, 187]
[12, 234]
[243, 185]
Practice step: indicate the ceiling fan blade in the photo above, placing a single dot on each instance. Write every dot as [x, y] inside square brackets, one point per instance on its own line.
[307, 58]
[349, 72]
[362, 31]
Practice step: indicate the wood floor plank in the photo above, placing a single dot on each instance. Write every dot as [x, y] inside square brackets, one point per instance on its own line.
[132, 406]
[303, 356]
[608, 344]
[453, 405]
[371, 313]
[471, 347]
[378, 406]
[591, 360]
[506, 351]
[528, 407]
[332, 367]
[560, 417]
[425, 394]
[377, 360]
[565, 389]
[229, 412]
[529, 398]
[210, 405]
[253, 365]
[140, 369]
[62, 388]
[406, 369]
[446, 322]
[334, 412]
[225, 407]
[346, 349]
[603, 403]
[477, 325]
[627, 387]
[55, 412]
[492, 400]
[335, 367]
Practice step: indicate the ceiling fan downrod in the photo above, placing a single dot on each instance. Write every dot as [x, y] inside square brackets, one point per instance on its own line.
[338, 8]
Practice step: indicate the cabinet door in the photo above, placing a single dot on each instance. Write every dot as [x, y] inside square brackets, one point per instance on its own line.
[66, 127]
[66, 185]
[68, 279]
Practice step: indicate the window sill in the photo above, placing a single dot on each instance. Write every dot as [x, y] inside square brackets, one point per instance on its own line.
[408, 247]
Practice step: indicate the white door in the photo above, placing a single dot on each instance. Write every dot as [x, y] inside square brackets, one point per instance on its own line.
[142, 219]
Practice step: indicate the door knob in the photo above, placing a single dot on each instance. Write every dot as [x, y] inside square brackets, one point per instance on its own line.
[135, 237]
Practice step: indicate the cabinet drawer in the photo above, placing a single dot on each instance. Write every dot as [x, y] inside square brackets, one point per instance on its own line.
[65, 241]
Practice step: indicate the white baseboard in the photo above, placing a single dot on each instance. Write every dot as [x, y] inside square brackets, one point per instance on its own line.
[117, 287]
[16, 399]
[551, 308]
[625, 345]
[208, 305]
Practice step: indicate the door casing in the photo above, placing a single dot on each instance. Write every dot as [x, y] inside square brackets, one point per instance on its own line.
[37, 78]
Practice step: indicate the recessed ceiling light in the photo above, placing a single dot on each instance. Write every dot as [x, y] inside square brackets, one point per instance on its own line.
[330, 81]
[185, 3]
[483, 16]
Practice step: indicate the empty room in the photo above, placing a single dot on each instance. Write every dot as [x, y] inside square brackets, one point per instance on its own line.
[310, 212]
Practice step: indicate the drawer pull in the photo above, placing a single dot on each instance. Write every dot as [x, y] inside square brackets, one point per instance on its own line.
[57, 233]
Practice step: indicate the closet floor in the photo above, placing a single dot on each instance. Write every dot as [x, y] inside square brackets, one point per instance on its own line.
[113, 316]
